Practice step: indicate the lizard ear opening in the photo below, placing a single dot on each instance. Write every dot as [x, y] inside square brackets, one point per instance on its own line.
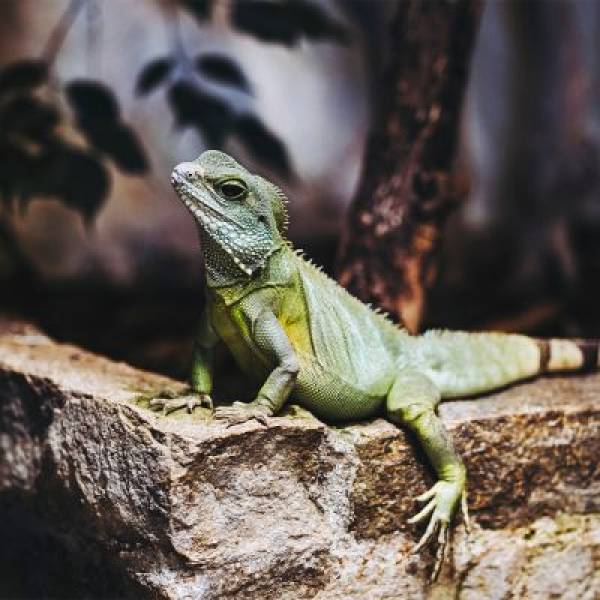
[278, 201]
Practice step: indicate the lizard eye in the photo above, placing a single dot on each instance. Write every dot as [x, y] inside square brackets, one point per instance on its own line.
[232, 190]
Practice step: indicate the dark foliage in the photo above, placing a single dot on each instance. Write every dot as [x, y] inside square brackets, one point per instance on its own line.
[199, 9]
[92, 101]
[194, 106]
[126, 151]
[224, 70]
[286, 22]
[97, 113]
[153, 74]
[210, 115]
[262, 143]
[59, 170]
[28, 117]
[36, 161]
[74, 175]
[23, 75]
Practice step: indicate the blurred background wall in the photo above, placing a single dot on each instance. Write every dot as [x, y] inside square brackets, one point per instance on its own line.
[99, 100]
[310, 96]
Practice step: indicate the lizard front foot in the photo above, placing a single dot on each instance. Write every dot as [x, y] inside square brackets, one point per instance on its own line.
[239, 412]
[445, 496]
[189, 402]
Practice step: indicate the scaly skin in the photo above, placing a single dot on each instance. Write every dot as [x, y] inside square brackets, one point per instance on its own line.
[300, 334]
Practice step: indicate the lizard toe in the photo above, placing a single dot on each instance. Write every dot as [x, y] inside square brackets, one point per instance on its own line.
[440, 555]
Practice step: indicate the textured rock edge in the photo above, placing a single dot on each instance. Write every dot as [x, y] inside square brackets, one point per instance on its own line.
[184, 506]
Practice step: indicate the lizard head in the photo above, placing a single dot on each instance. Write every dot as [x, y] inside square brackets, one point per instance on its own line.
[243, 213]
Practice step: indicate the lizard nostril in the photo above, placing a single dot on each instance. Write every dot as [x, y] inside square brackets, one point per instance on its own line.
[183, 171]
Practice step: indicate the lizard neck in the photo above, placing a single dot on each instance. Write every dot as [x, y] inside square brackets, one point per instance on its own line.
[277, 272]
[225, 266]
[221, 269]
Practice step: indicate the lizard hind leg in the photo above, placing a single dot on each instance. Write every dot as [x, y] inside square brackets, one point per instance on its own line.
[411, 402]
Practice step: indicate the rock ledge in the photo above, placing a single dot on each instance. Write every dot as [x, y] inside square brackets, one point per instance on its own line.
[184, 507]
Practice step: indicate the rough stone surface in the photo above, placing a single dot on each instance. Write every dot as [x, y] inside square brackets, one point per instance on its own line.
[184, 507]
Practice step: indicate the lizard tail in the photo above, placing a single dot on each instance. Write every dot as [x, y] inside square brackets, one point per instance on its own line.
[568, 355]
[464, 364]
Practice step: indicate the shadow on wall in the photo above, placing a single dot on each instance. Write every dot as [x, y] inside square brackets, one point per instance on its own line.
[98, 104]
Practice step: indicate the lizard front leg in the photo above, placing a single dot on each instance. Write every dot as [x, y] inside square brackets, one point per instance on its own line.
[201, 376]
[411, 402]
[272, 341]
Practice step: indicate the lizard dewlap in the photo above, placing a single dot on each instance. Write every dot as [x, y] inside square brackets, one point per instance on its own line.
[301, 335]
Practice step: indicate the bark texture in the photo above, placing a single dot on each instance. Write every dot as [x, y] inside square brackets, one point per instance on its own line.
[407, 188]
[146, 506]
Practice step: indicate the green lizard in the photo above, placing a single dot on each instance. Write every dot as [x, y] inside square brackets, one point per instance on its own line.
[297, 331]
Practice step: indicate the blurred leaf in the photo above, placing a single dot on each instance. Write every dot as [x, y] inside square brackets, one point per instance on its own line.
[207, 113]
[74, 175]
[92, 100]
[117, 141]
[23, 75]
[126, 150]
[152, 75]
[26, 115]
[263, 144]
[223, 70]
[268, 21]
[200, 9]
[35, 162]
[315, 24]
[60, 170]
[17, 171]
[286, 22]
[86, 181]
[97, 113]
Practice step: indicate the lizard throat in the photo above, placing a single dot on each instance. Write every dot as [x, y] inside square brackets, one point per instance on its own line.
[242, 249]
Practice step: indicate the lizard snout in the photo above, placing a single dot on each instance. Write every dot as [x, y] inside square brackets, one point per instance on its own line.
[185, 172]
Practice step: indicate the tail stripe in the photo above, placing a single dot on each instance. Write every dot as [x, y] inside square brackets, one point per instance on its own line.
[568, 355]
[589, 349]
[544, 346]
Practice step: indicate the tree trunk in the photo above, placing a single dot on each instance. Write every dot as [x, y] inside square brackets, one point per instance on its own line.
[407, 187]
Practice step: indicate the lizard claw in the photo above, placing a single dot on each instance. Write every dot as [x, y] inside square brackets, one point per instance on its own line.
[240, 412]
[443, 498]
[440, 555]
[441, 527]
[189, 402]
[465, 512]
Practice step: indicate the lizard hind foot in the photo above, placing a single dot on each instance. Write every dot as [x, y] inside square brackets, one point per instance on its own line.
[190, 402]
[443, 498]
[240, 412]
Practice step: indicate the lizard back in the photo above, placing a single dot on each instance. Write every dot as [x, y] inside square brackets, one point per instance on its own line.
[349, 338]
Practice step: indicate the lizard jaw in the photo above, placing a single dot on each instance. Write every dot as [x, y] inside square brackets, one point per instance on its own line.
[223, 229]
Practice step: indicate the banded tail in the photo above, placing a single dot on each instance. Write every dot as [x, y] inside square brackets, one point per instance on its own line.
[568, 355]
[465, 364]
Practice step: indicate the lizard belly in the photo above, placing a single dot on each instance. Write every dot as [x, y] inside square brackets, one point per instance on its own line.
[330, 397]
